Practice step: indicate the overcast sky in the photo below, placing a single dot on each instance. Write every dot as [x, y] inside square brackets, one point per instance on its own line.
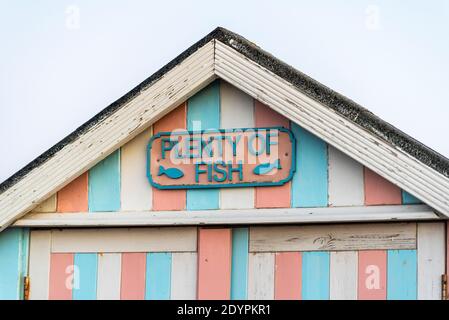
[61, 62]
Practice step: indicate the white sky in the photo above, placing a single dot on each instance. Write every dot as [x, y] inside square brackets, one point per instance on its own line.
[57, 71]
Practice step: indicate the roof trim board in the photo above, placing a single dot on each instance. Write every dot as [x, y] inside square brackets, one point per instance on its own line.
[212, 57]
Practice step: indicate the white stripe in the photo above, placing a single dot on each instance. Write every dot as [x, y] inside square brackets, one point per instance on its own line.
[183, 276]
[431, 259]
[261, 276]
[39, 265]
[109, 276]
[343, 275]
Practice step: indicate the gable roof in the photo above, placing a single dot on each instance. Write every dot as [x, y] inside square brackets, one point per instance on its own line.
[223, 54]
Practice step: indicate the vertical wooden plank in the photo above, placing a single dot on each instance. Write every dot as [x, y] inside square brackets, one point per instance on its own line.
[214, 264]
[184, 275]
[237, 111]
[48, 205]
[315, 275]
[158, 276]
[239, 273]
[74, 196]
[261, 276]
[407, 198]
[345, 180]
[287, 275]
[379, 191]
[401, 275]
[203, 112]
[431, 259]
[14, 244]
[104, 184]
[133, 276]
[39, 270]
[61, 276]
[372, 283]
[109, 275]
[343, 275]
[136, 191]
[170, 199]
[278, 196]
[86, 266]
[310, 182]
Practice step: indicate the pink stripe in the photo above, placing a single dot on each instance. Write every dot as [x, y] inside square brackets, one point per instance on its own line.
[61, 276]
[287, 281]
[372, 280]
[133, 276]
[170, 199]
[279, 196]
[214, 264]
[379, 191]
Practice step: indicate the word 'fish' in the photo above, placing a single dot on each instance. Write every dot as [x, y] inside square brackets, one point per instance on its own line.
[267, 167]
[172, 173]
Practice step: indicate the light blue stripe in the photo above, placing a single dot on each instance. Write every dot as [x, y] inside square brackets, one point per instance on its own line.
[203, 112]
[315, 275]
[85, 276]
[407, 198]
[158, 276]
[401, 275]
[239, 273]
[13, 262]
[104, 184]
[310, 182]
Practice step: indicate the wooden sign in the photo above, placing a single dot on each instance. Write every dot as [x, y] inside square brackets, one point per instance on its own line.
[221, 158]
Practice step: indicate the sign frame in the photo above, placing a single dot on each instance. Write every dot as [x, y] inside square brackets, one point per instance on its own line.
[224, 185]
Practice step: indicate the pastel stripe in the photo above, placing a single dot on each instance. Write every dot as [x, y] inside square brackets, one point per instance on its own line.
[104, 184]
[184, 275]
[402, 275]
[287, 285]
[39, 264]
[14, 244]
[214, 264]
[61, 276]
[85, 276]
[133, 276]
[109, 274]
[310, 182]
[170, 199]
[239, 273]
[203, 112]
[315, 275]
[278, 196]
[261, 276]
[74, 196]
[379, 191]
[48, 205]
[372, 275]
[158, 276]
[343, 275]
[407, 198]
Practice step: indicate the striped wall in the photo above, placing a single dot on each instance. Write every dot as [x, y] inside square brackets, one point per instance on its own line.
[240, 263]
[324, 176]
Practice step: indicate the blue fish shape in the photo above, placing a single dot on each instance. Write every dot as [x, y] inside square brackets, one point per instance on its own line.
[267, 167]
[172, 173]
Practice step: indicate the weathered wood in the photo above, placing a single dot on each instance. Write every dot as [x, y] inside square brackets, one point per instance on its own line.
[346, 186]
[315, 275]
[109, 276]
[136, 191]
[401, 275]
[372, 275]
[343, 275]
[48, 205]
[184, 275]
[431, 259]
[380, 191]
[237, 111]
[124, 240]
[261, 276]
[401, 168]
[39, 265]
[287, 276]
[243, 216]
[333, 237]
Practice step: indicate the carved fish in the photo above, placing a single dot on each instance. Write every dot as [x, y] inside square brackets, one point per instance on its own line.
[172, 173]
[267, 167]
